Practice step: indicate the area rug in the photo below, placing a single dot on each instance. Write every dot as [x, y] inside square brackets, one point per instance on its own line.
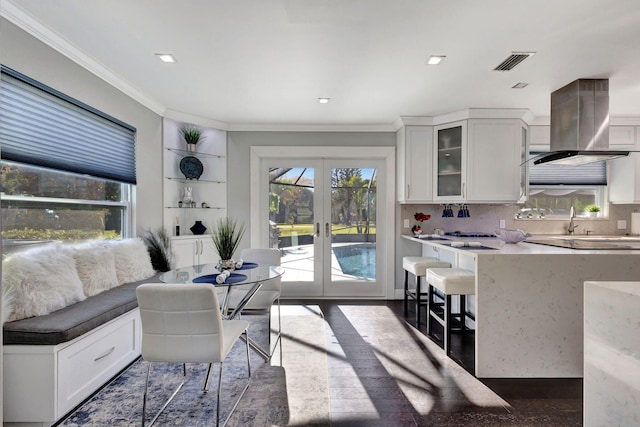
[274, 398]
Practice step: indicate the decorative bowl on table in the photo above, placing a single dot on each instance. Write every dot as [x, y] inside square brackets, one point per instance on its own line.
[511, 236]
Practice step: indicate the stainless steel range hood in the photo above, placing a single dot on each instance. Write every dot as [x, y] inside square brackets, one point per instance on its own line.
[580, 124]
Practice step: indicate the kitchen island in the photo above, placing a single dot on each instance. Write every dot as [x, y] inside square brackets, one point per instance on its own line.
[529, 301]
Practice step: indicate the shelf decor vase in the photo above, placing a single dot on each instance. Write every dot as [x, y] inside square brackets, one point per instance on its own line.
[188, 196]
[226, 264]
[198, 228]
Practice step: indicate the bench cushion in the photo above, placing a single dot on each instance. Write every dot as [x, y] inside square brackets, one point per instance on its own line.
[75, 320]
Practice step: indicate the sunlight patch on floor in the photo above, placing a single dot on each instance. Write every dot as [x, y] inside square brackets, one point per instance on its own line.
[419, 365]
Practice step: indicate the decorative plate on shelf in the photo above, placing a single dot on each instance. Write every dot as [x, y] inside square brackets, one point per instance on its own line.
[191, 167]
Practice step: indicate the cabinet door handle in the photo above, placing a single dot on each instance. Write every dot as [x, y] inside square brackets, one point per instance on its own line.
[317, 233]
[408, 191]
[105, 354]
[326, 229]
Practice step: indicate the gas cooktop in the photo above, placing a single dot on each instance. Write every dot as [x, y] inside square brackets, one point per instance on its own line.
[469, 234]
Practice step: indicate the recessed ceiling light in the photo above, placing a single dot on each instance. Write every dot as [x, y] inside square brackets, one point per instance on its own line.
[166, 57]
[324, 100]
[435, 59]
[520, 85]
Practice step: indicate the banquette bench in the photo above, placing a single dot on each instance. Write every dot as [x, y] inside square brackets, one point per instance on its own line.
[56, 357]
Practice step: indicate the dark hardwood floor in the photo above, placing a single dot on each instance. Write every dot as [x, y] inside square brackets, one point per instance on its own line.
[428, 389]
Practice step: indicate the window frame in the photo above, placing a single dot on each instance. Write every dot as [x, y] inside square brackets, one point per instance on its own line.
[601, 194]
[127, 192]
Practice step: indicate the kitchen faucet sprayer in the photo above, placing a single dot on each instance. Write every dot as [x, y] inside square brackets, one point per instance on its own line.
[572, 227]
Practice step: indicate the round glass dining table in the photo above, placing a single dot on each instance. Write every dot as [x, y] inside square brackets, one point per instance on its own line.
[248, 279]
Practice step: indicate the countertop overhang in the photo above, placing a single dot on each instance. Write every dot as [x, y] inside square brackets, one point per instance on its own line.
[494, 246]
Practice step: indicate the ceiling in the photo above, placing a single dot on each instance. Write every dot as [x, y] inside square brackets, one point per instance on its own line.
[266, 62]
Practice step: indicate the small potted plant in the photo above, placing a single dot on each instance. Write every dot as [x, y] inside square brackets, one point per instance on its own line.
[226, 238]
[192, 135]
[592, 211]
[420, 217]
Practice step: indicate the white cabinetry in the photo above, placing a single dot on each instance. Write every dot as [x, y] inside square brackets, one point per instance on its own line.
[624, 172]
[193, 250]
[414, 164]
[44, 382]
[495, 153]
[209, 190]
[622, 137]
[450, 161]
[478, 161]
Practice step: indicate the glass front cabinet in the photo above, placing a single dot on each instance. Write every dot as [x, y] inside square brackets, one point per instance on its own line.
[450, 161]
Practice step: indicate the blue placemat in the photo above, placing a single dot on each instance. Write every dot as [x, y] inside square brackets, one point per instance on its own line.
[211, 278]
[247, 266]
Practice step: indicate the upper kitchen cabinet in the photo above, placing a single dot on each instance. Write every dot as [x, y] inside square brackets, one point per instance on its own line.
[624, 173]
[479, 161]
[495, 150]
[450, 157]
[414, 164]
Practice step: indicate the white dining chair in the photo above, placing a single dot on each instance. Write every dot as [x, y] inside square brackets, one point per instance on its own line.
[269, 294]
[182, 323]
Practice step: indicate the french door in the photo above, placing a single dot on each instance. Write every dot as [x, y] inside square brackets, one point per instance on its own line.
[325, 216]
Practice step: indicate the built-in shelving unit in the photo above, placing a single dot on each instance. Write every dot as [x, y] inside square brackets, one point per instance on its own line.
[210, 188]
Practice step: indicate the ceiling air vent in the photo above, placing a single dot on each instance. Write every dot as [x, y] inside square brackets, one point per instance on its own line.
[512, 60]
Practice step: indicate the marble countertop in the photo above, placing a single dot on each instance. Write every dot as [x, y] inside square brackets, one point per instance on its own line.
[525, 248]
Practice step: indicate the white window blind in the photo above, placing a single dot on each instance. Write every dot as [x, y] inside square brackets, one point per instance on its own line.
[549, 174]
[43, 127]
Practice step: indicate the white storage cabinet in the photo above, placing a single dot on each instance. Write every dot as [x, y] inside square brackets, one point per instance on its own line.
[194, 250]
[415, 164]
[479, 161]
[42, 383]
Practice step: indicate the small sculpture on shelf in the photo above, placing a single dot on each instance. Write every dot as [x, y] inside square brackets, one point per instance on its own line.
[198, 228]
[187, 200]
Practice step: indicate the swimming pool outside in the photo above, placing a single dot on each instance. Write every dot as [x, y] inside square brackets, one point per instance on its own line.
[349, 262]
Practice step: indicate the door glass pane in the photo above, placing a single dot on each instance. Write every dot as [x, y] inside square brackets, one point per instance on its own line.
[450, 161]
[291, 220]
[353, 224]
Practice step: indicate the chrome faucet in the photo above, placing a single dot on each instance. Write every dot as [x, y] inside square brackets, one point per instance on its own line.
[572, 227]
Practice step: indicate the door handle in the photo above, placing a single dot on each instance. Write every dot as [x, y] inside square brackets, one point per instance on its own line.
[317, 233]
[326, 229]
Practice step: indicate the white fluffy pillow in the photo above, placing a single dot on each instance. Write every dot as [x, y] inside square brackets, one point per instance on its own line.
[132, 260]
[96, 265]
[7, 303]
[41, 280]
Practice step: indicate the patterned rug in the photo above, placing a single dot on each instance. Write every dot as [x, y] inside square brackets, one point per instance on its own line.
[267, 401]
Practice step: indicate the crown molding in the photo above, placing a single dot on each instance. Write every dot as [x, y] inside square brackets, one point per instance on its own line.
[309, 127]
[412, 121]
[14, 14]
[624, 121]
[196, 120]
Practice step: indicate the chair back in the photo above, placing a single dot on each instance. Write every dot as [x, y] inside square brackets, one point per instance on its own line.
[180, 323]
[268, 256]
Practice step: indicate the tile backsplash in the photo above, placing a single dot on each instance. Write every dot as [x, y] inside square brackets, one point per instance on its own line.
[486, 218]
